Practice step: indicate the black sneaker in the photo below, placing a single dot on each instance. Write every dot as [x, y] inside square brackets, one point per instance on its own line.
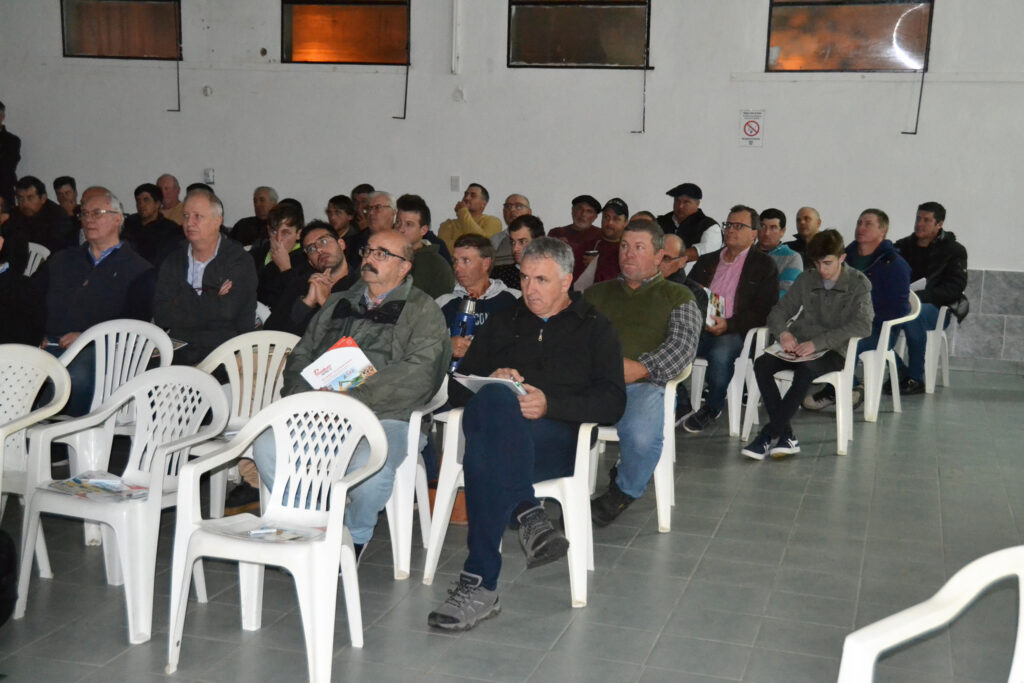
[541, 541]
[821, 400]
[242, 498]
[759, 448]
[467, 603]
[700, 420]
[911, 386]
[609, 505]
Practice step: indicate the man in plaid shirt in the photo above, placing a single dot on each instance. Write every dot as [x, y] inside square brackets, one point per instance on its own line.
[659, 325]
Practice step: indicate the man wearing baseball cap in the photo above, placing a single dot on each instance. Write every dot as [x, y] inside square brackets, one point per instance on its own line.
[614, 217]
[689, 222]
[581, 234]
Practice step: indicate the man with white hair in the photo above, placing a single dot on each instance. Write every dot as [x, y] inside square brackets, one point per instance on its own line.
[252, 228]
[171, 207]
[206, 288]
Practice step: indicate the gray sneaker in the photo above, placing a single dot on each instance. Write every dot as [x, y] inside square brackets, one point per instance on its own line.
[541, 541]
[700, 420]
[467, 603]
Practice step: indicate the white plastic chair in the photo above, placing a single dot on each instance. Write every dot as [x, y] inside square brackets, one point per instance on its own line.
[841, 381]
[664, 471]
[124, 349]
[23, 372]
[170, 407]
[875, 361]
[572, 493]
[315, 434]
[37, 253]
[863, 647]
[936, 350]
[742, 376]
[410, 486]
[254, 363]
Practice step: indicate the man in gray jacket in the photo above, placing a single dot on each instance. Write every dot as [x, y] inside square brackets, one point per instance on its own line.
[402, 332]
[822, 310]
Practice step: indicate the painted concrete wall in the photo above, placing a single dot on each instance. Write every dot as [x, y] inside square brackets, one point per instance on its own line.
[831, 140]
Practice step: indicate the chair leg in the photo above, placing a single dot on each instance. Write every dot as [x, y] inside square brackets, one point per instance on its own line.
[894, 382]
[218, 492]
[199, 579]
[137, 550]
[577, 527]
[664, 487]
[444, 498]
[250, 588]
[317, 590]
[179, 601]
[350, 586]
[30, 530]
[42, 556]
[872, 384]
[400, 517]
[423, 501]
[111, 556]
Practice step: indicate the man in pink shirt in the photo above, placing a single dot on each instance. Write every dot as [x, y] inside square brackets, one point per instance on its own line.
[747, 283]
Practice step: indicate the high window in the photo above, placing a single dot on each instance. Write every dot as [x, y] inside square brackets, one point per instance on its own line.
[354, 32]
[134, 29]
[579, 33]
[839, 35]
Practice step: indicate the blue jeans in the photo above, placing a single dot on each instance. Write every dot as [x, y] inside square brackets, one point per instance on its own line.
[367, 498]
[83, 379]
[505, 455]
[641, 435]
[917, 338]
[720, 352]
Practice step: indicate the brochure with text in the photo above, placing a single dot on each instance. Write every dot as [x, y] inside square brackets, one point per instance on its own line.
[339, 368]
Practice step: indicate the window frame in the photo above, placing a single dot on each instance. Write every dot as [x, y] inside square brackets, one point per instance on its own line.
[72, 55]
[366, 3]
[847, 3]
[646, 66]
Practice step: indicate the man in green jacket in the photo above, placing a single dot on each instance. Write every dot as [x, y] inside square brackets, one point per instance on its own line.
[822, 310]
[430, 272]
[402, 332]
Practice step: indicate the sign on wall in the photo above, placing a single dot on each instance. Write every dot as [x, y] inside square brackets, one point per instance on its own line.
[752, 127]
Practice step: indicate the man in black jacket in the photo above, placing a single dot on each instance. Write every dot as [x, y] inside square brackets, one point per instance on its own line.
[568, 360]
[698, 231]
[10, 155]
[937, 258]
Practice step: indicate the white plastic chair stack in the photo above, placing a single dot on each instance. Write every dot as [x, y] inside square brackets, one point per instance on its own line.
[315, 434]
[841, 381]
[254, 363]
[863, 647]
[411, 486]
[23, 372]
[170, 407]
[875, 361]
[37, 253]
[664, 471]
[572, 493]
[742, 376]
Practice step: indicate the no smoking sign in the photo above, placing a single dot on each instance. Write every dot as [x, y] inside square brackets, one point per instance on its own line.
[752, 127]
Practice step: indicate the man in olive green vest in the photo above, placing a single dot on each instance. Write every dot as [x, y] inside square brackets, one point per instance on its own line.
[659, 324]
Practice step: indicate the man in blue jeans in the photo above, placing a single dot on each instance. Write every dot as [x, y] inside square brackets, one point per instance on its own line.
[658, 323]
[568, 360]
[937, 259]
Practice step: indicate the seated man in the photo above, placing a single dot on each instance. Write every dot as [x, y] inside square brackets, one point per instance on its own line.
[23, 306]
[822, 310]
[470, 218]
[430, 272]
[278, 256]
[401, 331]
[171, 207]
[934, 256]
[747, 284]
[614, 217]
[659, 325]
[39, 219]
[769, 240]
[331, 274]
[66, 190]
[149, 233]
[808, 222]
[104, 279]
[206, 288]
[568, 357]
[379, 212]
[699, 231]
[252, 228]
[581, 234]
[341, 215]
[515, 205]
[521, 232]
[473, 257]
[875, 256]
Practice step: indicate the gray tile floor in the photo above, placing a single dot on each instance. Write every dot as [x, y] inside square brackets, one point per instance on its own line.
[767, 568]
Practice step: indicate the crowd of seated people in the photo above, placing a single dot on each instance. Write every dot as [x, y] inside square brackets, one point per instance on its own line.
[591, 320]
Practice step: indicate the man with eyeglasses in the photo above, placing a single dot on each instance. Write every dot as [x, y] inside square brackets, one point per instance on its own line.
[769, 240]
[104, 279]
[278, 256]
[430, 272]
[746, 284]
[402, 332]
[469, 217]
[515, 205]
[379, 213]
[251, 228]
[206, 287]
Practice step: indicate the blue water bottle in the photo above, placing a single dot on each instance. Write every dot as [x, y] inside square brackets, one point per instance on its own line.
[463, 325]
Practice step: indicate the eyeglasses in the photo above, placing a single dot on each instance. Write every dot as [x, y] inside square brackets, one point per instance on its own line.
[375, 207]
[379, 254]
[515, 206]
[96, 213]
[734, 226]
[315, 246]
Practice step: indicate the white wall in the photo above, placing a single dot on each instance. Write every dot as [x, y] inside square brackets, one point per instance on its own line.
[831, 140]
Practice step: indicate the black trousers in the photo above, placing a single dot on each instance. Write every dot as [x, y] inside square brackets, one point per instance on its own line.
[781, 408]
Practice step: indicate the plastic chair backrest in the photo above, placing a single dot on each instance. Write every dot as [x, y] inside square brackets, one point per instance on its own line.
[883, 337]
[23, 371]
[254, 363]
[170, 403]
[124, 349]
[37, 253]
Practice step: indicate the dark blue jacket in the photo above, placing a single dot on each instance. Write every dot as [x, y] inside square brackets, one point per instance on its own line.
[890, 280]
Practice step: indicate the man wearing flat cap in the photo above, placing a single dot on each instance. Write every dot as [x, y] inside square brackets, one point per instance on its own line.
[581, 234]
[689, 222]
